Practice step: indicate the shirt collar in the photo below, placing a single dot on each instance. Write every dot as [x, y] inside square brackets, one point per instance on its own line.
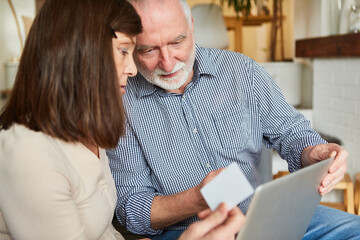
[203, 65]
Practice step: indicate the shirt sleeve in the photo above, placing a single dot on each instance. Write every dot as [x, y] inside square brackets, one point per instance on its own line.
[284, 128]
[135, 190]
[35, 194]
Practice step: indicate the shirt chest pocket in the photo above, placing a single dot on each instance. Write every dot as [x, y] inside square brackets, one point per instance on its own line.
[233, 125]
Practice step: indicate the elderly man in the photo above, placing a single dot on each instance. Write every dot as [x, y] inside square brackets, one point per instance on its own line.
[192, 111]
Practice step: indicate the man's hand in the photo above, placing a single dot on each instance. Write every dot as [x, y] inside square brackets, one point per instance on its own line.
[198, 198]
[171, 209]
[219, 224]
[313, 154]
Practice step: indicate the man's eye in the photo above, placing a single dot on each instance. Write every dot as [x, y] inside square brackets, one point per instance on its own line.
[148, 50]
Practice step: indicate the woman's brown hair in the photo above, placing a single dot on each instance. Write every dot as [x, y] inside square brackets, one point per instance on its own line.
[67, 85]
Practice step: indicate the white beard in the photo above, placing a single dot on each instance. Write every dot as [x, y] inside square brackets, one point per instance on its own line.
[183, 69]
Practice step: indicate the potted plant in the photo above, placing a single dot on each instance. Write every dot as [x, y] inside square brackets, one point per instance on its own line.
[244, 6]
[240, 6]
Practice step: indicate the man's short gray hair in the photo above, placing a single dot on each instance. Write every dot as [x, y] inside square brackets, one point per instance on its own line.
[187, 10]
[183, 3]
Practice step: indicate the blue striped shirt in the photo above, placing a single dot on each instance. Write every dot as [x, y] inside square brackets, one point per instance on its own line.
[230, 108]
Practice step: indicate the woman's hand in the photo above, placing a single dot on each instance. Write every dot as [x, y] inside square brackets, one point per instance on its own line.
[220, 224]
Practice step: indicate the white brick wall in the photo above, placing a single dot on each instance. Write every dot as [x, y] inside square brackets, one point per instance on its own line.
[336, 103]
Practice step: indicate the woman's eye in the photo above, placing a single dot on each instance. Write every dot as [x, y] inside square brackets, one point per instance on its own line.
[125, 51]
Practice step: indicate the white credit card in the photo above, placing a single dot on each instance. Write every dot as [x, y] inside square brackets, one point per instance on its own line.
[230, 186]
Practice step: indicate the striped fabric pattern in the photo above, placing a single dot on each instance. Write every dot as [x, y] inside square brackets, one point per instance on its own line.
[231, 107]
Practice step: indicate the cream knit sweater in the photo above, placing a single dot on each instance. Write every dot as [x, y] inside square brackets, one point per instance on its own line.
[50, 189]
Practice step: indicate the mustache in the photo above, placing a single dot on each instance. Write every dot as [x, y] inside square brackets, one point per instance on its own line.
[178, 66]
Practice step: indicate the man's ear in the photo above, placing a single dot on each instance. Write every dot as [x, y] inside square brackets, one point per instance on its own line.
[192, 24]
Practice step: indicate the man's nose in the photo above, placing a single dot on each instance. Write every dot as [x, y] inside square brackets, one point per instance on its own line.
[167, 61]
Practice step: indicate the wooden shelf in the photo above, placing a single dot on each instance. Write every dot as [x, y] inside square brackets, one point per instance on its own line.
[339, 206]
[347, 45]
[348, 203]
[357, 193]
[250, 20]
[256, 20]
[236, 24]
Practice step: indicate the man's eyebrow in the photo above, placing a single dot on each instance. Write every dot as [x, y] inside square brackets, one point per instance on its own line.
[145, 47]
[179, 38]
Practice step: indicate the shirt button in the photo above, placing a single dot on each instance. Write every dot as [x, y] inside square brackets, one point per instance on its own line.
[194, 130]
[208, 165]
[183, 97]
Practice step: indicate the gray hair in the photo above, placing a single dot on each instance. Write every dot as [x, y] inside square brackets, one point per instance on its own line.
[187, 11]
[183, 3]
